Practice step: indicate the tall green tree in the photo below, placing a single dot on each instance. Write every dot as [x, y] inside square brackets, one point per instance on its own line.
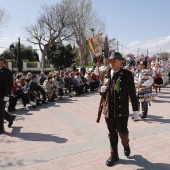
[19, 57]
[26, 52]
[60, 55]
[106, 45]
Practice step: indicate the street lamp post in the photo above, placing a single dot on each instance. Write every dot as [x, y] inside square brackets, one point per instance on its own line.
[11, 48]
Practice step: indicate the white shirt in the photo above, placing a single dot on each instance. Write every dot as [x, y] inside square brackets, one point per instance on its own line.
[113, 72]
[148, 82]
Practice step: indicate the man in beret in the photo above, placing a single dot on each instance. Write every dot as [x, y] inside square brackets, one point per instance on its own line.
[6, 82]
[117, 85]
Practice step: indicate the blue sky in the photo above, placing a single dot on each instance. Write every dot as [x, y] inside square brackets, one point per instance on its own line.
[142, 24]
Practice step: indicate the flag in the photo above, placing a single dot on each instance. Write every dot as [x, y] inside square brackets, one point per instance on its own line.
[95, 45]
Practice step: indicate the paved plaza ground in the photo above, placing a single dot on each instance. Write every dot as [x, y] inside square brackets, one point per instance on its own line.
[64, 135]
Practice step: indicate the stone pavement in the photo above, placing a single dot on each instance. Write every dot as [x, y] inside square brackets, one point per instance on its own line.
[64, 136]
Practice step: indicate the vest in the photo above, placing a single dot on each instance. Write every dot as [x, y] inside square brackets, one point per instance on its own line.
[141, 77]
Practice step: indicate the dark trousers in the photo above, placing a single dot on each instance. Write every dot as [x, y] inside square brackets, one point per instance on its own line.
[60, 91]
[23, 96]
[144, 108]
[12, 102]
[92, 86]
[117, 125]
[76, 89]
[3, 114]
[43, 93]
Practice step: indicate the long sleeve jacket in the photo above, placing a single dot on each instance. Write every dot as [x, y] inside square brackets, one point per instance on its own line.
[123, 89]
[6, 81]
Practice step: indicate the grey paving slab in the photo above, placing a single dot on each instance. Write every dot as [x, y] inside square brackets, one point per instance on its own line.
[66, 130]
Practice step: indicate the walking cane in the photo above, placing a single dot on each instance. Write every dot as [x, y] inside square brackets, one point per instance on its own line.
[35, 96]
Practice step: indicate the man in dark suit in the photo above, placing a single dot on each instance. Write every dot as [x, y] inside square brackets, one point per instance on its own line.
[116, 86]
[6, 81]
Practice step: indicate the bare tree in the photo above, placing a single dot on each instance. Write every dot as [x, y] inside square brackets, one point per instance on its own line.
[82, 19]
[51, 26]
[4, 17]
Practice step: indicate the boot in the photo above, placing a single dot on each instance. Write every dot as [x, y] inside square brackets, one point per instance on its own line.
[9, 118]
[127, 150]
[144, 109]
[112, 159]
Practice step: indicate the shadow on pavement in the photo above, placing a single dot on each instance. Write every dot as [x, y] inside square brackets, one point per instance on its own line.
[67, 100]
[21, 111]
[163, 97]
[153, 118]
[35, 136]
[160, 101]
[163, 92]
[144, 164]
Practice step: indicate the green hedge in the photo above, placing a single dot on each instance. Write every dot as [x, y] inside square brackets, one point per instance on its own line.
[31, 64]
[32, 71]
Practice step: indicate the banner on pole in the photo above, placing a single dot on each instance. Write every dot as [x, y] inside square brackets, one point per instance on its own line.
[95, 46]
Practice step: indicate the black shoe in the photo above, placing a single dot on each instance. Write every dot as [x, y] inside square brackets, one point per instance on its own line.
[10, 122]
[143, 117]
[2, 131]
[132, 117]
[127, 151]
[111, 161]
[44, 102]
[10, 110]
[38, 104]
[14, 109]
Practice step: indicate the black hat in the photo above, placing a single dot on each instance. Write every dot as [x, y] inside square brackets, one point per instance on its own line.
[115, 55]
[2, 57]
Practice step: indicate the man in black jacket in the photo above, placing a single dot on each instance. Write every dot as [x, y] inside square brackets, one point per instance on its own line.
[116, 86]
[37, 89]
[6, 81]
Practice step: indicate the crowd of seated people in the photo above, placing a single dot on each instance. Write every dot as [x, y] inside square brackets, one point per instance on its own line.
[48, 88]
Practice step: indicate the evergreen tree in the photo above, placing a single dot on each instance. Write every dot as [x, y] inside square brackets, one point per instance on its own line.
[27, 53]
[60, 55]
[106, 45]
[19, 57]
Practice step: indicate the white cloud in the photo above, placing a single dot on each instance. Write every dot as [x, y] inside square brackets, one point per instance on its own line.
[154, 46]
